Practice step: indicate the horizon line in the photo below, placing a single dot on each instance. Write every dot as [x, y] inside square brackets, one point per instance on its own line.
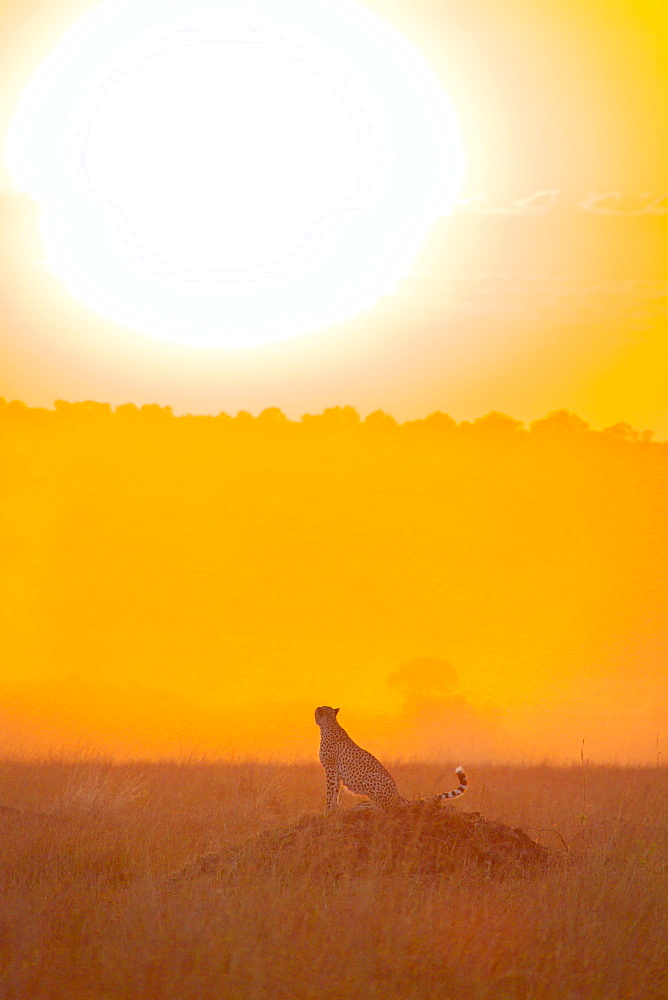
[346, 416]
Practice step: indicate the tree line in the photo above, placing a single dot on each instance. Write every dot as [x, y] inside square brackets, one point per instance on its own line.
[556, 424]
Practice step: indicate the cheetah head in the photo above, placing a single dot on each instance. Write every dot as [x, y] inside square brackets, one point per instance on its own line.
[324, 714]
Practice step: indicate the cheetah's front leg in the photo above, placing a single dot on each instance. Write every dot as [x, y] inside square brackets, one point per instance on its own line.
[333, 785]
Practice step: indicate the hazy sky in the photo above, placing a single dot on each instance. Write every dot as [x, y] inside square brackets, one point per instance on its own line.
[182, 566]
[545, 287]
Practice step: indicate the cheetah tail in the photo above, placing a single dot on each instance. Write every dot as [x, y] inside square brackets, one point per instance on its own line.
[461, 788]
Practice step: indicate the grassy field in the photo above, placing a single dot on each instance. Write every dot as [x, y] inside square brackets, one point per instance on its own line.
[86, 912]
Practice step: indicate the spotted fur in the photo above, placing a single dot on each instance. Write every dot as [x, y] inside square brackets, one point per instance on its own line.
[346, 763]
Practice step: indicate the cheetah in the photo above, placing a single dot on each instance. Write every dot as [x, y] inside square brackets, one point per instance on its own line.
[345, 762]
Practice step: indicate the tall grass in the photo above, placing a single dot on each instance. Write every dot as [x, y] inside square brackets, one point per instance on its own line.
[86, 911]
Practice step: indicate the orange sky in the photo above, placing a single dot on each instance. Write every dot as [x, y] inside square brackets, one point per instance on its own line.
[544, 289]
[510, 580]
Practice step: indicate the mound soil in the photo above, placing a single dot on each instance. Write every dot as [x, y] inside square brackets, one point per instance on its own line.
[418, 839]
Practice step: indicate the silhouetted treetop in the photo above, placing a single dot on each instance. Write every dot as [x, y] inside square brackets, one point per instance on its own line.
[127, 410]
[497, 423]
[439, 421]
[333, 418]
[272, 415]
[493, 427]
[380, 421]
[559, 422]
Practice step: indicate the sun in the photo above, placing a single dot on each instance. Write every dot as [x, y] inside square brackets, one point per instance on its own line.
[227, 175]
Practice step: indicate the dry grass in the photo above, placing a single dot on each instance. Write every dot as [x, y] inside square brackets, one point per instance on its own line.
[87, 912]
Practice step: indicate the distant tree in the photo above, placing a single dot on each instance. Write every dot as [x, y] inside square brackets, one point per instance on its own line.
[438, 421]
[196, 419]
[621, 432]
[83, 410]
[333, 418]
[435, 423]
[244, 418]
[424, 677]
[273, 415]
[154, 411]
[344, 414]
[559, 422]
[16, 408]
[127, 410]
[497, 423]
[380, 421]
[89, 408]
[625, 432]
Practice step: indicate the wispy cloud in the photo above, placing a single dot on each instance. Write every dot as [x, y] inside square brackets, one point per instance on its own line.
[538, 203]
[549, 200]
[618, 204]
[534, 299]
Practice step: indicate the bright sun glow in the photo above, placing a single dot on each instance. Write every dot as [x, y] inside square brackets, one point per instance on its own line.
[225, 174]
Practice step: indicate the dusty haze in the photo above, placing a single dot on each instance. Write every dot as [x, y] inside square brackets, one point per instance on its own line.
[199, 584]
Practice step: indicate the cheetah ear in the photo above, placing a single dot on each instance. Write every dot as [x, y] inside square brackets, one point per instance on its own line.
[336, 711]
